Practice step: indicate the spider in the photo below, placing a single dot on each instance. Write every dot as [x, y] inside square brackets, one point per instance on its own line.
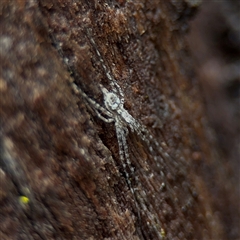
[114, 112]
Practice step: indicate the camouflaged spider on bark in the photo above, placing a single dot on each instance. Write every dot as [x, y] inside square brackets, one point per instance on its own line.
[114, 112]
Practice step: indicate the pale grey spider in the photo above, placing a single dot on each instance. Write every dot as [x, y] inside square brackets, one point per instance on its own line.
[114, 112]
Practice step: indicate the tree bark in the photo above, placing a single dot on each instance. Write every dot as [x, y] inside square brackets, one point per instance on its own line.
[61, 172]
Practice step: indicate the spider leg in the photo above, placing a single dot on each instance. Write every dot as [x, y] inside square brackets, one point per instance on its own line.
[97, 107]
[119, 90]
[107, 120]
[123, 152]
[143, 195]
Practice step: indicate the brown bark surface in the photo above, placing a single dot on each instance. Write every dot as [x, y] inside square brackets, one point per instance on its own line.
[61, 174]
[215, 45]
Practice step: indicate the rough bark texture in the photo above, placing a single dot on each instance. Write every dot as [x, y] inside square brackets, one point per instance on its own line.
[61, 176]
[215, 45]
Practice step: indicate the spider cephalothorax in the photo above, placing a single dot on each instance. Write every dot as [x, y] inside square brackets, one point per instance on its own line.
[111, 100]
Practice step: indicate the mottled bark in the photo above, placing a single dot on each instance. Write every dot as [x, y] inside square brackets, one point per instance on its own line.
[61, 176]
[215, 46]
